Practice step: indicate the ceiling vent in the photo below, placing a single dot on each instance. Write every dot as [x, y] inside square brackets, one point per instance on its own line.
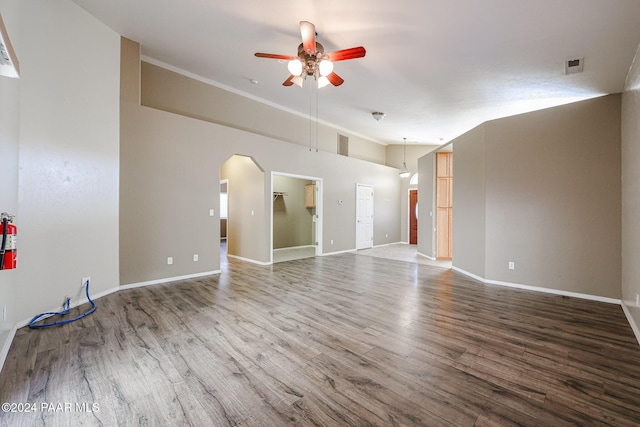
[572, 66]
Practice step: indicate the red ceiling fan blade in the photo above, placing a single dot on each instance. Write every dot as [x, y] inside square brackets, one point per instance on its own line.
[275, 56]
[344, 54]
[289, 81]
[308, 33]
[335, 79]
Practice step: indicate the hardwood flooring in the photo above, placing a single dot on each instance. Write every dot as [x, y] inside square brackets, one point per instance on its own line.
[335, 341]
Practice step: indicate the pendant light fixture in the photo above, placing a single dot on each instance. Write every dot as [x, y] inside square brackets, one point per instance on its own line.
[404, 172]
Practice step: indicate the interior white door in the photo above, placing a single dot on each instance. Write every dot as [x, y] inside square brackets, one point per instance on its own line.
[364, 216]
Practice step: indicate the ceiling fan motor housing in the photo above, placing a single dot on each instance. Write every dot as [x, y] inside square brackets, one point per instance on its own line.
[310, 60]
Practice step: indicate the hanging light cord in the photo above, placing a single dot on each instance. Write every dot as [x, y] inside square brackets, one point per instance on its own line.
[317, 119]
[310, 115]
[404, 154]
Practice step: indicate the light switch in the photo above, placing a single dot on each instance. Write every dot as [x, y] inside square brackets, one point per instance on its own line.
[211, 212]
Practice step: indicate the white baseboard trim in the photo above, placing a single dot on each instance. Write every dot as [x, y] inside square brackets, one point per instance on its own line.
[427, 256]
[539, 289]
[389, 244]
[634, 327]
[293, 248]
[339, 252]
[7, 345]
[253, 261]
[169, 279]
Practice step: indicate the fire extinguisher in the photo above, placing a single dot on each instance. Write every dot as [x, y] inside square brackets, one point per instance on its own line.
[9, 244]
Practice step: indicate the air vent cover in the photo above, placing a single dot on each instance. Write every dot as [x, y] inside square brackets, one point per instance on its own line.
[343, 145]
[575, 65]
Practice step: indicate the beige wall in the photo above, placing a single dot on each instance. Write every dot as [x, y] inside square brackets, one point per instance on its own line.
[292, 221]
[469, 202]
[246, 211]
[169, 91]
[426, 205]
[631, 192]
[169, 176]
[551, 198]
[62, 118]
[9, 146]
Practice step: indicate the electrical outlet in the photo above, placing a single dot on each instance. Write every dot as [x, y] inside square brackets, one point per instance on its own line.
[386, 236]
[512, 265]
[169, 260]
[332, 241]
[84, 281]
[195, 257]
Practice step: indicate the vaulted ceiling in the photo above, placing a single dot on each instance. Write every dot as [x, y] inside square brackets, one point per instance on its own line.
[436, 68]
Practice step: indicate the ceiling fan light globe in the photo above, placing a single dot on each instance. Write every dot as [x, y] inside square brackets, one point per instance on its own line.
[298, 80]
[323, 81]
[295, 67]
[325, 67]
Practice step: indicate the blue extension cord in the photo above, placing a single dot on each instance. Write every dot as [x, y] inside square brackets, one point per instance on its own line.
[65, 310]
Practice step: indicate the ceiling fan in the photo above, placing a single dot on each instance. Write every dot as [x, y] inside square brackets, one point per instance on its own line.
[312, 60]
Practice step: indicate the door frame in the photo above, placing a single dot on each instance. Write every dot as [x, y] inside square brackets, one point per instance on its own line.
[358, 185]
[317, 222]
[224, 181]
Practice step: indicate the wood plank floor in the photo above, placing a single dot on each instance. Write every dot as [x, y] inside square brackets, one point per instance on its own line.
[335, 341]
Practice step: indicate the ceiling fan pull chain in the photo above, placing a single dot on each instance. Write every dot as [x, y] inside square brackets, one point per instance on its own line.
[310, 117]
[317, 95]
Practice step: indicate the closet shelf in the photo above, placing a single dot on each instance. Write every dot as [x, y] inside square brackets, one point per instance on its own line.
[276, 194]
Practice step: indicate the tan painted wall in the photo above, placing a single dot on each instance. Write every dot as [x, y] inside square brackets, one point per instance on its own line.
[9, 146]
[246, 211]
[167, 90]
[552, 196]
[426, 204]
[469, 202]
[292, 221]
[66, 130]
[631, 191]
[170, 170]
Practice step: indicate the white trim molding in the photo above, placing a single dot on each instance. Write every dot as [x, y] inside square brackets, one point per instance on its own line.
[252, 261]
[634, 327]
[427, 256]
[539, 289]
[339, 252]
[293, 248]
[169, 279]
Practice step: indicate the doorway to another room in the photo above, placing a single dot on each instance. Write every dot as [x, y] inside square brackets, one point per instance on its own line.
[224, 211]
[296, 217]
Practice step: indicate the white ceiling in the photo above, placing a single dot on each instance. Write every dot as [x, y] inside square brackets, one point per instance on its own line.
[436, 68]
